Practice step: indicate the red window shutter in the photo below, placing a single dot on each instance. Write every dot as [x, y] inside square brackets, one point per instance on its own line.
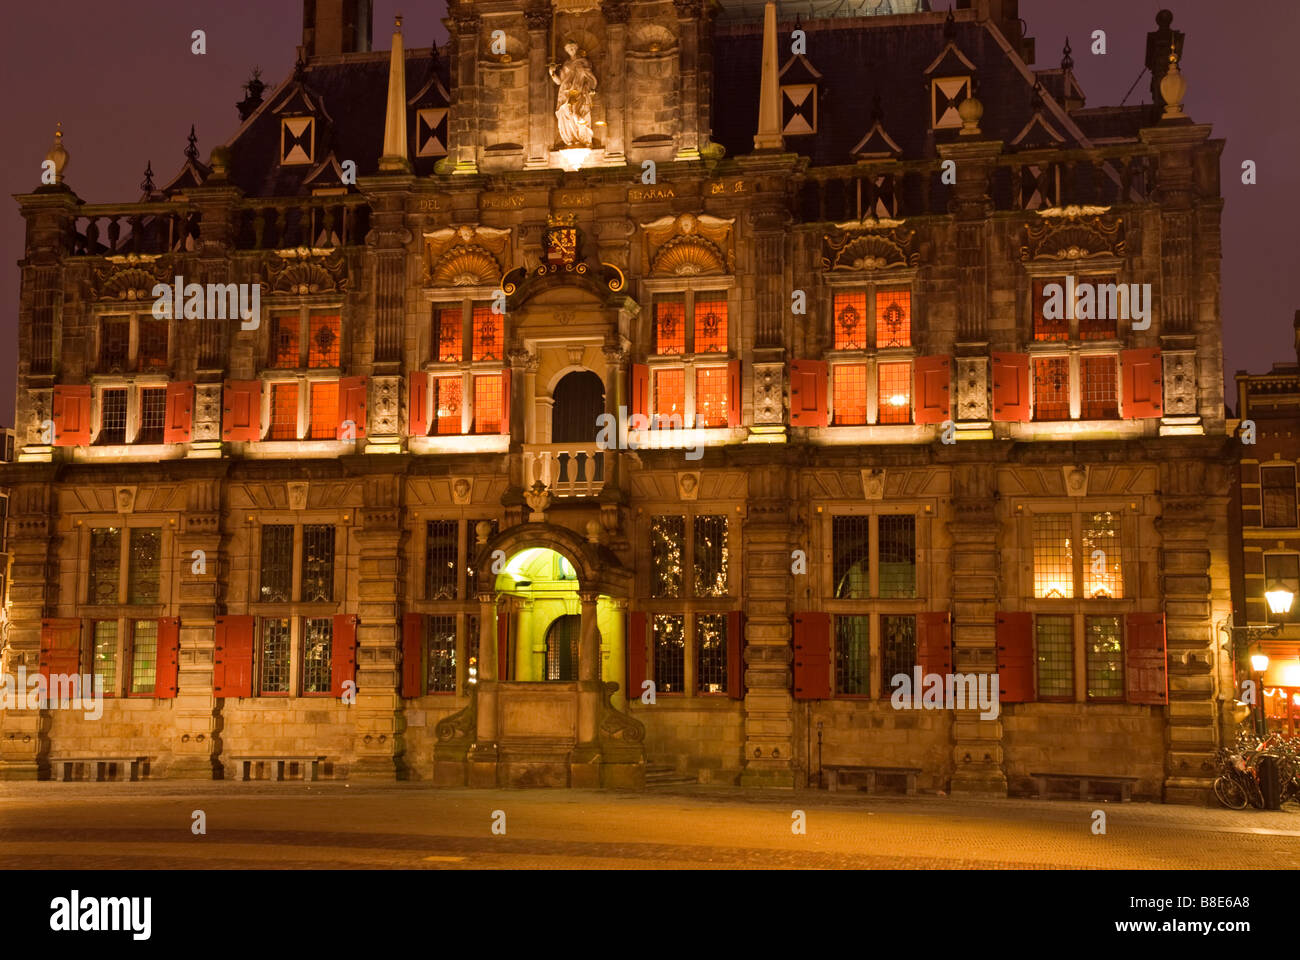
[636, 653]
[343, 652]
[812, 656]
[352, 404]
[412, 655]
[179, 425]
[505, 402]
[1011, 387]
[232, 662]
[934, 643]
[241, 415]
[1015, 639]
[933, 375]
[736, 655]
[733, 393]
[503, 643]
[807, 393]
[1146, 676]
[71, 415]
[640, 389]
[1143, 393]
[417, 403]
[60, 648]
[167, 666]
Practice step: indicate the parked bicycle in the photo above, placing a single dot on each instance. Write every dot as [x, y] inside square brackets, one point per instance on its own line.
[1238, 782]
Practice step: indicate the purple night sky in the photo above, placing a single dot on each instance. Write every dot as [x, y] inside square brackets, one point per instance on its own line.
[121, 78]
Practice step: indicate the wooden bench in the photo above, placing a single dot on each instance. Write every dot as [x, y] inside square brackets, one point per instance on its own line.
[1084, 783]
[280, 765]
[67, 769]
[837, 772]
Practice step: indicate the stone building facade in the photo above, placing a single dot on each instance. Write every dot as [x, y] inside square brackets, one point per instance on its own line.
[377, 532]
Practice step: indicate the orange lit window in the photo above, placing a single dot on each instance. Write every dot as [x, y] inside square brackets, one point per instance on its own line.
[893, 318]
[670, 395]
[1053, 556]
[1100, 398]
[1106, 307]
[284, 412]
[451, 344]
[487, 404]
[323, 340]
[447, 393]
[711, 397]
[487, 334]
[324, 411]
[284, 340]
[1045, 329]
[1052, 388]
[670, 325]
[850, 321]
[894, 393]
[850, 393]
[710, 326]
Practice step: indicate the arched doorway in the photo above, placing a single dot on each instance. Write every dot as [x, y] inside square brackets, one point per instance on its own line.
[562, 647]
[579, 400]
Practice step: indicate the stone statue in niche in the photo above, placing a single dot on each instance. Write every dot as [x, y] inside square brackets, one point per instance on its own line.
[573, 102]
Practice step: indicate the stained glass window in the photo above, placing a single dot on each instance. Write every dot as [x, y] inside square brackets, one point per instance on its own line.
[1057, 328]
[667, 541]
[850, 321]
[1102, 573]
[894, 393]
[105, 564]
[1104, 643]
[277, 563]
[1054, 653]
[447, 399]
[284, 340]
[850, 560]
[710, 325]
[711, 551]
[711, 652]
[451, 336]
[1053, 556]
[1099, 327]
[669, 653]
[323, 340]
[318, 640]
[711, 397]
[852, 656]
[488, 333]
[850, 394]
[442, 654]
[146, 565]
[893, 318]
[144, 655]
[317, 563]
[1051, 388]
[275, 656]
[670, 324]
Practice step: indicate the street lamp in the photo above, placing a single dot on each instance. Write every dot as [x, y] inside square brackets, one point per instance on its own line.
[1279, 598]
[1259, 664]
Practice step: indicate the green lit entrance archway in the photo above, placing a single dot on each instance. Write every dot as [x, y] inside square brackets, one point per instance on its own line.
[539, 717]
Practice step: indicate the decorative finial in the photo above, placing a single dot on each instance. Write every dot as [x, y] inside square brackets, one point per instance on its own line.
[1067, 61]
[971, 110]
[147, 186]
[192, 151]
[1173, 87]
[58, 154]
[950, 26]
[397, 23]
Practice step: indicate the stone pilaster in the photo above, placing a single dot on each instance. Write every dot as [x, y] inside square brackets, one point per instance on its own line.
[378, 711]
[481, 760]
[768, 753]
[538, 20]
[973, 529]
[688, 137]
[463, 128]
[584, 768]
[616, 16]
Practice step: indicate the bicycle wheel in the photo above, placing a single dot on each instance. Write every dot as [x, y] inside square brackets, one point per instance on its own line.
[1230, 793]
[1253, 793]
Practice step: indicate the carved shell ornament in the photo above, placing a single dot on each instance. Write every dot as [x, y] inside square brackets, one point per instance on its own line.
[296, 273]
[132, 278]
[863, 250]
[689, 245]
[1073, 233]
[468, 255]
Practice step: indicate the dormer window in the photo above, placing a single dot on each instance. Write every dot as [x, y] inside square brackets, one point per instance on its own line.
[297, 140]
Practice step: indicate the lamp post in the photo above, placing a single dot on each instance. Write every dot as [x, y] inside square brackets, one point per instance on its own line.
[1258, 664]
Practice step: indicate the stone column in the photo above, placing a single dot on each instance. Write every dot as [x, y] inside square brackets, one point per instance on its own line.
[585, 766]
[976, 568]
[463, 129]
[768, 751]
[481, 761]
[32, 590]
[615, 396]
[688, 140]
[541, 91]
[201, 595]
[378, 711]
[616, 17]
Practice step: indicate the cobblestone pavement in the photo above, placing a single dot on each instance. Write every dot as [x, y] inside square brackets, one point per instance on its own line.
[298, 826]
